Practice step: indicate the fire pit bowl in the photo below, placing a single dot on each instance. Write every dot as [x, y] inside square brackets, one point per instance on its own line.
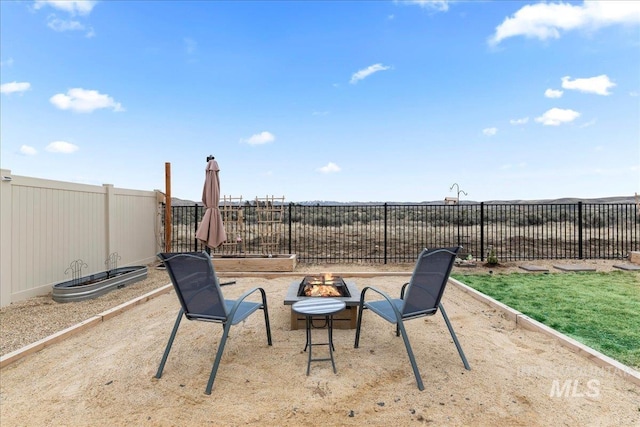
[323, 286]
[330, 285]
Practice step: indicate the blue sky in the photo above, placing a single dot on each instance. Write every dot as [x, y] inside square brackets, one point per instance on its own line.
[328, 100]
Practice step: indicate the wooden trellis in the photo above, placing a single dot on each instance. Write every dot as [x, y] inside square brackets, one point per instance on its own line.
[233, 220]
[270, 213]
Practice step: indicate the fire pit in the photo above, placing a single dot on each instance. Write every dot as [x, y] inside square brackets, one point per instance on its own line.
[325, 286]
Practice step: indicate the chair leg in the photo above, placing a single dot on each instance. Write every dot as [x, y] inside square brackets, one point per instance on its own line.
[169, 344]
[266, 316]
[216, 363]
[358, 324]
[455, 338]
[412, 359]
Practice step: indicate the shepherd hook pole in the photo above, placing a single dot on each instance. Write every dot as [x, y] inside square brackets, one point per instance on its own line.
[455, 184]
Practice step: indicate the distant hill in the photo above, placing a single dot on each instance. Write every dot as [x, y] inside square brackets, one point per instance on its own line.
[566, 200]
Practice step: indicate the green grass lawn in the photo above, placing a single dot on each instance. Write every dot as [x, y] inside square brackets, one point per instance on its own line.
[601, 310]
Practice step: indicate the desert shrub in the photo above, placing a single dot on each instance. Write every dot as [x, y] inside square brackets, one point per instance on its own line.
[328, 221]
[592, 220]
[492, 258]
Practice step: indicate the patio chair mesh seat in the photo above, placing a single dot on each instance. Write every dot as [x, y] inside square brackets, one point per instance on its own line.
[419, 297]
[200, 295]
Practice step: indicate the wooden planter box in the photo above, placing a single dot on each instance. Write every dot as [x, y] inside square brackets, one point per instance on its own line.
[240, 263]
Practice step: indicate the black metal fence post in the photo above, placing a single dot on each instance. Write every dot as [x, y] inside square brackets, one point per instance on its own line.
[580, 254]
[481, 231]
[290, 236]
[385, 233]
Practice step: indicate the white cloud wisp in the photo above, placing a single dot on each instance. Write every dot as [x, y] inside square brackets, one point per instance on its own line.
[553, 93]
[490, 131]
[438, 5]
[62, 147]
[14, 87]
[545, 21]
[599, 85]
[329, 168]
[73, 7]
[260, 138]
[84, 101]
[522, 121]
[366, 72]
[557, 116]
[27, 150]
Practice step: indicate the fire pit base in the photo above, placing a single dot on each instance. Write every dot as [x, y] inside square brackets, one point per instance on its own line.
[345, 319]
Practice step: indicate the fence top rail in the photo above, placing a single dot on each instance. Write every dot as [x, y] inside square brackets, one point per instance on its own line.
[426, 204]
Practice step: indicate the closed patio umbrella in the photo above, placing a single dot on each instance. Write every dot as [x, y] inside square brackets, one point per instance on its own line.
[211, 230]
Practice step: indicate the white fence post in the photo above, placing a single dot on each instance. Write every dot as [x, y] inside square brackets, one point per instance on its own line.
[5, 237]
[109, 218]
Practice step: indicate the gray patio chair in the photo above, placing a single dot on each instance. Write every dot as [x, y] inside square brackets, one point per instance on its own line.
[200, 296]
[419, 297]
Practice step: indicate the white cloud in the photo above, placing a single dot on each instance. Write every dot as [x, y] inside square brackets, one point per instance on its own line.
[366, 72]
[28, 151]
[548, 20]
[522, 121]
[14, 87]
[73, 7]
[84, 101]
[557, 116]
[329, 168]
[190, 45]
[490, 131]
[7, 63]
[62, 147]
[61, 25]
[439, 5]
[260, 138]
[599, 85]
[553, 93]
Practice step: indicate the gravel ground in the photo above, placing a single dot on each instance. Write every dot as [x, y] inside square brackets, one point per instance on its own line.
[25, 322]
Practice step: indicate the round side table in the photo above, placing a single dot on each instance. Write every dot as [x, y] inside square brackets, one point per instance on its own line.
[319, 306]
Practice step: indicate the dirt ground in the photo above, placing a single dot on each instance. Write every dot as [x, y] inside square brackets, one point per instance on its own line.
[104, 376]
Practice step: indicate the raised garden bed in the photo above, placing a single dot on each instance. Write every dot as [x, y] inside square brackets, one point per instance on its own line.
[97, 284]
[251, 263]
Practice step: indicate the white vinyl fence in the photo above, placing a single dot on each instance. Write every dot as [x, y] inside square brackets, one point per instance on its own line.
[46, 225]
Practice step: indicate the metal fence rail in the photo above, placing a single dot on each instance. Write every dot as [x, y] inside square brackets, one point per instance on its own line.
[391, 233]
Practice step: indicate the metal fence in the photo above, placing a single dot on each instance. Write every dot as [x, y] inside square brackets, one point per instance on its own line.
[393, 233]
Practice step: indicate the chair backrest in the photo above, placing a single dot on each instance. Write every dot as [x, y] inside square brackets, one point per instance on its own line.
[196, 285]
[428, 281]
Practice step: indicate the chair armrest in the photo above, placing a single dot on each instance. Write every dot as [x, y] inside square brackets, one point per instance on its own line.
[404, 287]
[244, 296]
[385, 296]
